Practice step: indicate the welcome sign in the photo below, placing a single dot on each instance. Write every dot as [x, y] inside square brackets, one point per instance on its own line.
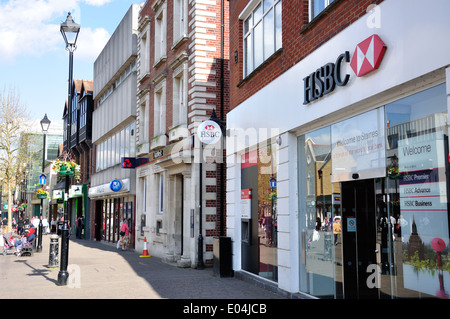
[358, 147]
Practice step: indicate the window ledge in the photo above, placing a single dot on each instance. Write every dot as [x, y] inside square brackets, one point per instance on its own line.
[259, 67]
[319, 17]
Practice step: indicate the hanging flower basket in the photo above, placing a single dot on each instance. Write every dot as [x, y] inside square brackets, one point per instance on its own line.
[66, 168]
[393, 173]
[41, 193]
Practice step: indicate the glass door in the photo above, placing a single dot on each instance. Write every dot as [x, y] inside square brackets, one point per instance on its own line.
[359, 239]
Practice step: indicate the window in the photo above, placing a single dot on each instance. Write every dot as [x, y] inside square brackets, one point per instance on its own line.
[262, 33]
[160, 34]
[73, 128]
[83, 113]
[179, 20]
[160, 109]
[132, 138]
[317, 6]
[121, 144]
[144, 55]
[179, 96]
[143, 122]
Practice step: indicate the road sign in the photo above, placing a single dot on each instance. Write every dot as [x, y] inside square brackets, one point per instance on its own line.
[273, 182]
[42, 179]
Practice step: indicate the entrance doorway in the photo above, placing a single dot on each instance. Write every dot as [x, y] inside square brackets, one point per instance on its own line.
[359, 239]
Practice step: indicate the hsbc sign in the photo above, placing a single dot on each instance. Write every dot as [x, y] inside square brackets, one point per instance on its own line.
[209, 132]
[366, 58]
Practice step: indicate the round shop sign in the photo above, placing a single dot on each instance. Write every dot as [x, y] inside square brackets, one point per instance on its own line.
[115, 185]
[209, 132]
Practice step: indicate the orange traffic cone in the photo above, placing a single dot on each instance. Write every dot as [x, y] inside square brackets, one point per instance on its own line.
[145, 251]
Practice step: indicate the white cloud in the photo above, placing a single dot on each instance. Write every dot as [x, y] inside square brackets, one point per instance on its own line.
[97, 3]
[31, 28]
[90, 43]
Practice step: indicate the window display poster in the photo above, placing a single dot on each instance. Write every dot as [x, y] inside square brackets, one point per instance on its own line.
[246, 203]
[358, 147]
[423, 213]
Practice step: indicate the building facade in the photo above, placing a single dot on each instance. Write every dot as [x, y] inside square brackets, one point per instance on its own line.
[182, 78]
[112, 192]
[77, 145]
[338, 130]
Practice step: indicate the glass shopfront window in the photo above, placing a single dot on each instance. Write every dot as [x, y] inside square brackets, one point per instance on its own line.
[259, 212]
[371, 228]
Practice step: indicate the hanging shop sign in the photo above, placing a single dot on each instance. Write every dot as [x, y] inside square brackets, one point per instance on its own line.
[75, 191]
[133, 162]
[209, 132]
[366, 58]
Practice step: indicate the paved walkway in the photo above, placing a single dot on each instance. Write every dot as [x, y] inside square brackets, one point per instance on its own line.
[100, 271]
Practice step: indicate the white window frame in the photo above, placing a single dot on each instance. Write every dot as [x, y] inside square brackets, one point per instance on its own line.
[255, 17]
[144, 53]
[314, 13]
[179, 20]
[160, 33]
[180, 95]
[143, 121]
[159, 103]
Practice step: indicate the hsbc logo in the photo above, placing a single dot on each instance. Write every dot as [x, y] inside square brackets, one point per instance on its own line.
[366, 58]
[368, 55]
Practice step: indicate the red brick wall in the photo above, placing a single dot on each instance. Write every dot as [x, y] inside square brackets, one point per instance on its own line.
[300, 38]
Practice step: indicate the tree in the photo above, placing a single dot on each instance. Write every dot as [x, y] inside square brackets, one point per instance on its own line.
[13, 117]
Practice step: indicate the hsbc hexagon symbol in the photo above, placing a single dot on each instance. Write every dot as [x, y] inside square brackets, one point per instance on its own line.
[368, 55]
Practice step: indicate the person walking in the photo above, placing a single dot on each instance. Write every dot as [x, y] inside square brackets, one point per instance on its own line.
[124, 234]
[336, 228]
[20, 225]
[80, 226]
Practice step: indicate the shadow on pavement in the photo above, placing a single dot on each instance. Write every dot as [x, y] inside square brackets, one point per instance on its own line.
[172, 282]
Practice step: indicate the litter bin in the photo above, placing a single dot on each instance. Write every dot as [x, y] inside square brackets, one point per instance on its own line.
[222, 257]
[53, 251]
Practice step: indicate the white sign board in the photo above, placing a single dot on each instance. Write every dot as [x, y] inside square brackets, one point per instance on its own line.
[358, 147]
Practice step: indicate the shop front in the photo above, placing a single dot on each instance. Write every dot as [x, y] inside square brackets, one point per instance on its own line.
[359, 136]
[112, 203]
[384, 233]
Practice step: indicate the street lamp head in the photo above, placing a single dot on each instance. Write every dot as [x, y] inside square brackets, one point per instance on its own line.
[69, 30]
[45, 123]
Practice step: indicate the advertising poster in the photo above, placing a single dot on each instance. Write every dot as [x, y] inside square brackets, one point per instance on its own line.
[246, 203]
[423, 213]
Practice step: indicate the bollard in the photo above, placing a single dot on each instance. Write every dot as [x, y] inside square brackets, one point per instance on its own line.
[53, 254]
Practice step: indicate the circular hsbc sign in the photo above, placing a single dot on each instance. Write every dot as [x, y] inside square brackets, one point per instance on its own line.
[209, 132]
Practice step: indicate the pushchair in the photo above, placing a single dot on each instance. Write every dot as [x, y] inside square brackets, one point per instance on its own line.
[8, 244]
[25, 248]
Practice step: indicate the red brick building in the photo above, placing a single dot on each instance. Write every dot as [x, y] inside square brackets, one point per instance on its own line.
[182, 78]
[330, 103]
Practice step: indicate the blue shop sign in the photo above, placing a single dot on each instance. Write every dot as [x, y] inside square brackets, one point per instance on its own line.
[115, 185]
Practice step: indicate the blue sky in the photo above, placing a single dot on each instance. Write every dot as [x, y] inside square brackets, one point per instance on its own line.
[33, 59]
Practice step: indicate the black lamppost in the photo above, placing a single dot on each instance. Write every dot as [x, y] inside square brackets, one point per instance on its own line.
[69, 30]
[45, 124]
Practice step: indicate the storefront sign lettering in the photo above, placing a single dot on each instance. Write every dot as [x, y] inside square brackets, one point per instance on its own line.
[325, 79]
[366, 58]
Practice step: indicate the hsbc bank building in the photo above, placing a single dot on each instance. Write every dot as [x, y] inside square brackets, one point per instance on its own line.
[337, 170]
